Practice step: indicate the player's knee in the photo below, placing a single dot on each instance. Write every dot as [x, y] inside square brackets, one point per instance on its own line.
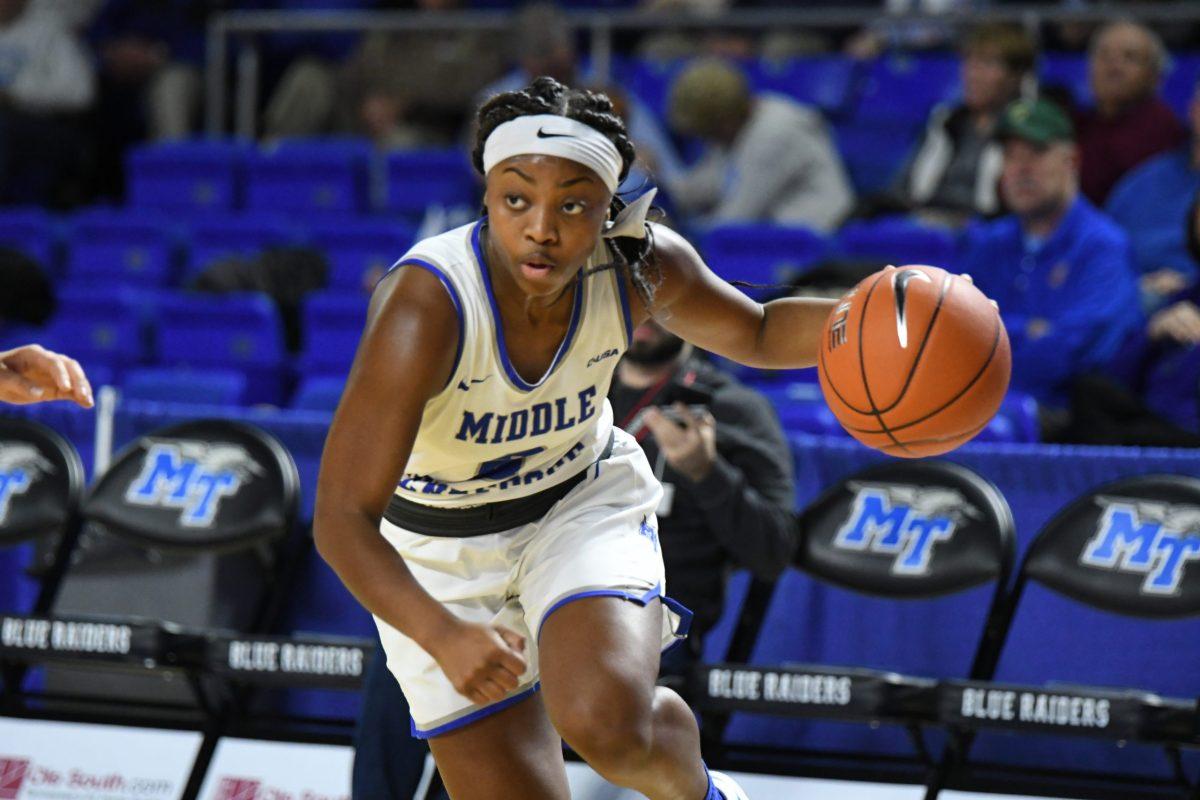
[613, 733]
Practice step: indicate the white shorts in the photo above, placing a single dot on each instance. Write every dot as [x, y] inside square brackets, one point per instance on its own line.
[601, 539]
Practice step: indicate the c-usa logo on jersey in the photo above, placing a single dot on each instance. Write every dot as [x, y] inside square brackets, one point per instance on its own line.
[193, 476]
[904, 521]
[1155, 539]
[21, 465]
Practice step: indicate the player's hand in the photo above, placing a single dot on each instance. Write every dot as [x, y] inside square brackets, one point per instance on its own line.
[1180, 322]
[690, 445]
[32, 374]
[483, 662]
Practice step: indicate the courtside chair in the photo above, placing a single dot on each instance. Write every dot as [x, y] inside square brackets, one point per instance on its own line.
[41, 485]
[910, 560]
[118, 247]
[360, 247]
[310, 176]
[1100, 634]
[241, 331]
[420, 178]
[191, 175]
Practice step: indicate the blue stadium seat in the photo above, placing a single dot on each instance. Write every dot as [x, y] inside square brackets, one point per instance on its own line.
[205, 386]
[320, 393]
[874, 149]
[650, 80]
[99, 326]
[420, 178]
[1067, 71]
[116, 247]
[903, 87]
[762, 253]
[218, 236]
[189, 175]
[826, 82]
[897, 241]
[333, 324]
[33, 232]
[355, 247]
[232, 331]
[310, 175]
[1179, 83]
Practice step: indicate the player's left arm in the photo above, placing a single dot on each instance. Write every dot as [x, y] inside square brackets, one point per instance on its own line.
[696, 305]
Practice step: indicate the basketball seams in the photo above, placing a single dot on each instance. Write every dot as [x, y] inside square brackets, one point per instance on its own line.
[862, 364]
[964, 437]
[952, 400]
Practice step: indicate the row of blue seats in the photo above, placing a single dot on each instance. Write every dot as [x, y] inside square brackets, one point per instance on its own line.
[174, 346]
[115, 333]
[145, 248]
[150, 248]
[878, 108]
[900, 86]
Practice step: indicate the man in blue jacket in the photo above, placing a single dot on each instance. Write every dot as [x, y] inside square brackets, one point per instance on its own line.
[1060, 270]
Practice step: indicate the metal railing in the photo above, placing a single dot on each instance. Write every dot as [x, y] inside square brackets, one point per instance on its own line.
[237, 31]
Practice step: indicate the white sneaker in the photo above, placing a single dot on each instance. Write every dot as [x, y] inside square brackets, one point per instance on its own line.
[727, 786]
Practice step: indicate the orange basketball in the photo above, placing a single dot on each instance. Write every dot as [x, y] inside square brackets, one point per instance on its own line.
[914, 361]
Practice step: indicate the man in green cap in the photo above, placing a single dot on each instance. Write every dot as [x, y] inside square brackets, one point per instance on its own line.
[1060, 270]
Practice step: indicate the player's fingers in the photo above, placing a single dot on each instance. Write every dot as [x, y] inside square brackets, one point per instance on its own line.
[512, 661]
[505, 678]
[82, 389]
[18, 389]
[966, 276]
[513, 639]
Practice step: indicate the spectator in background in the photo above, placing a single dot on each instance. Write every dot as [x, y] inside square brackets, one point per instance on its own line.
[151, 53]
[46, 83]
[399, 88]
[543, 44]
[1151, 203]
[1060, 270]
[1129, 122]
[954, 171]
[769, 158]
[726, 473]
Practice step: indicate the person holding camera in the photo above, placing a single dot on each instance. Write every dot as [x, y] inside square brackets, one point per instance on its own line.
[726, 470]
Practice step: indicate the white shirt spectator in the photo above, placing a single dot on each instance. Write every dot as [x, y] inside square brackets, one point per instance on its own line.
[43, 67]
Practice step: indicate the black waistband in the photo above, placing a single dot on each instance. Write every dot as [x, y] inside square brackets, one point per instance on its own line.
[502, 515]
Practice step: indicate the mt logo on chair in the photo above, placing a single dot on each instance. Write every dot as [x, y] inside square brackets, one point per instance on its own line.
[193, 476]
[1156, 539]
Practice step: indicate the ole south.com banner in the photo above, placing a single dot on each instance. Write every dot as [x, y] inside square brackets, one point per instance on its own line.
[70, 761]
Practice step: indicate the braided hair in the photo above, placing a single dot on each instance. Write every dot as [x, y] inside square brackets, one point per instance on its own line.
[545, 95]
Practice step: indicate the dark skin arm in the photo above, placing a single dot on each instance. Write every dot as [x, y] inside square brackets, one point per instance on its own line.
[405, 357]
[699, 307]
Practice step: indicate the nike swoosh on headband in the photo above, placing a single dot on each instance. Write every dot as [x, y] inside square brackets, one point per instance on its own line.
[541, 134]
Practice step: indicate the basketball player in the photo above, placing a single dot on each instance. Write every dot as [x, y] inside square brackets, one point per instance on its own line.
[33, 374]
[474, 494]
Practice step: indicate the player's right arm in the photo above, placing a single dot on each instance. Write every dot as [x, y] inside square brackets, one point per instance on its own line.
[406, 356]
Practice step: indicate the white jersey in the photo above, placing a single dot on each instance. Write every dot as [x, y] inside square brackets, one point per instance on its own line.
[489, 435]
